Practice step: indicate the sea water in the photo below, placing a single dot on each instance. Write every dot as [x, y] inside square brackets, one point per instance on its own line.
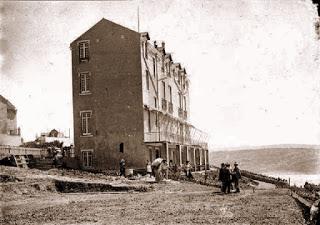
[297, 179]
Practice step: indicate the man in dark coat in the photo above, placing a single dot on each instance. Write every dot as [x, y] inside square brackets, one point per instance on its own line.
[236, 176]
[222, 177]
[122, 167]
[227, 175]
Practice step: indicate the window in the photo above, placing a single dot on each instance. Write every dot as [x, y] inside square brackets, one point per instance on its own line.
[84, 51]
[147, 79]
[163, 90]
[185, 103]
[184, 83]
[85, 122]
[155, 102]
[180, 100]
[156, 120]
[149, 121]
[162, 64]
[170, 93]
[146, 49]
[121, 147]
[84, 83]
[154, 66]
[86, 158]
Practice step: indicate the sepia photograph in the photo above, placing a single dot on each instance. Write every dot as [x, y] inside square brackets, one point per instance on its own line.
[160, 112]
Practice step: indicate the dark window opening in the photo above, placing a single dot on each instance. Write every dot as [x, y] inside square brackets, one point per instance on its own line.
[155, 102]
[146, 49]
[121, 147]
[147, 79]
[149, 122]
[154, 67]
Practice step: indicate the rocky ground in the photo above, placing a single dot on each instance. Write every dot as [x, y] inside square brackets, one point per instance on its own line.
[170, 202]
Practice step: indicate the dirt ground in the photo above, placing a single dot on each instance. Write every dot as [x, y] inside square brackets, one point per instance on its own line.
[170, 202]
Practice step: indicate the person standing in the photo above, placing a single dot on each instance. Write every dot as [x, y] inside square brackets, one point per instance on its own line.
[156, 168]
[221, 177]
[188, 170]
[236, 176]
[164, 170]
[228, 177]
[122, 167]
[149, 169]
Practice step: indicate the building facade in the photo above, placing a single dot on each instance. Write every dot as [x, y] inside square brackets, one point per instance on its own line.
[9, 132]
[54, 135]
[131, 101]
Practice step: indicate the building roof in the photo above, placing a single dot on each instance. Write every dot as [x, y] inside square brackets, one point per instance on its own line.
[7, 102]
[145, 34]
[103, 21]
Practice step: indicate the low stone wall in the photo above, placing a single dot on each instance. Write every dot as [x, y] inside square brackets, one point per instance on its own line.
[259, 177]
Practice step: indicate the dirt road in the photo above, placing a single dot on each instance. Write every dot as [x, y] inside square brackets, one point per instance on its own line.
[169, 203]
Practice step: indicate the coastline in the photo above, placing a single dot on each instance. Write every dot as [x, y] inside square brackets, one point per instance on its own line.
[297, 179]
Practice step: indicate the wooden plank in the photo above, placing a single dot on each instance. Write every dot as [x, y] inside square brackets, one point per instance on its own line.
[15, 150]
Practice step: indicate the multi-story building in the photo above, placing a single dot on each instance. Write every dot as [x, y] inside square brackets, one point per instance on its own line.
[131, 101]
[9, 132]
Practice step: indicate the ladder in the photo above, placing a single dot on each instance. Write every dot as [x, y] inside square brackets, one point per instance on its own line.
[20, 161]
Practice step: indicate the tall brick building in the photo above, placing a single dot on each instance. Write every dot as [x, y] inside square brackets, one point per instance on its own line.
[131, 101]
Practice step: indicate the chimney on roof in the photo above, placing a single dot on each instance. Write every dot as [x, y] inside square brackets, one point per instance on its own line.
[155, 44]
[163, 45]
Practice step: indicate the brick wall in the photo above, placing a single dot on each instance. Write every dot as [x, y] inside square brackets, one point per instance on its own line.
[115, 99]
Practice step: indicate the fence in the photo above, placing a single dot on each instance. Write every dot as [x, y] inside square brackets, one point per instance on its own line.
[15, 150]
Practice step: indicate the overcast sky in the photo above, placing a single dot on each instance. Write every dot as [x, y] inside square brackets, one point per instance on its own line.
[253, 64]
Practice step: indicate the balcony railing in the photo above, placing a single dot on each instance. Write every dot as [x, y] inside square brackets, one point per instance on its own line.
[191, 136]
[164, 104]
[164, 136]
[170, 107]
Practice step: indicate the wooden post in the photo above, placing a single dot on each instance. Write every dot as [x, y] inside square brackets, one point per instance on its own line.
[194, 159]
[180, 154]
[200, 153]
[205, 159]
[188, 157]
[168, 159]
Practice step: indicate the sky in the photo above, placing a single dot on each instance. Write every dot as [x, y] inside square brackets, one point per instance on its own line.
[253, 64]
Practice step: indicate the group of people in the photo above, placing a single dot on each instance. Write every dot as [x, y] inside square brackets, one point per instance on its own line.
[229, 177]
[159, 168]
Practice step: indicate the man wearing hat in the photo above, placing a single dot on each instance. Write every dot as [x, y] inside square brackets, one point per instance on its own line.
[222, 177]
[237, 176]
